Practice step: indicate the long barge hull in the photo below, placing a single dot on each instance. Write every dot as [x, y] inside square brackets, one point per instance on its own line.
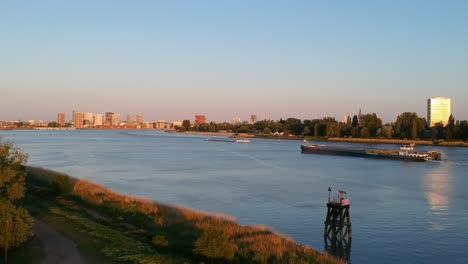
[363, 152]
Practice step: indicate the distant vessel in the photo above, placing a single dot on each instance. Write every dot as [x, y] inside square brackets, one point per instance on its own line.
[221, 139]
[406, 152]
[242, 140]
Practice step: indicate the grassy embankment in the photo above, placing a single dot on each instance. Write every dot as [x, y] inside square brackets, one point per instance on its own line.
[112, 228]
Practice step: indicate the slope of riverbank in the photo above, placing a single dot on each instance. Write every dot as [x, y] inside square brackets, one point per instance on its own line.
[107, 227]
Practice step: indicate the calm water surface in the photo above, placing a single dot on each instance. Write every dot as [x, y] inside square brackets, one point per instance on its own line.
[402, 212]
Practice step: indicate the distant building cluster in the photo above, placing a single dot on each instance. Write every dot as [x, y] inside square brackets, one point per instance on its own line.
[80, 120]
[438, 112]
[109, 119]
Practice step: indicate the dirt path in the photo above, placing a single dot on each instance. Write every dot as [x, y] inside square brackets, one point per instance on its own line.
[58, 248]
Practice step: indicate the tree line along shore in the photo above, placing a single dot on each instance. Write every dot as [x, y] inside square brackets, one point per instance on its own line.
[108, 227]
[368, 126]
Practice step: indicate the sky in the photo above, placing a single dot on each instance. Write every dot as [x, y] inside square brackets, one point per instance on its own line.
[277, 59]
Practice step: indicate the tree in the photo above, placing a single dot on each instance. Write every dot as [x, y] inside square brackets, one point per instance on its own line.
[317, 130]
[404, 125]
[15, 222]
[333, 129]
[450, 127]
[414, 130]
[372, 123]
[186, 124]
[15, 226]
[355, 122]
[387, 131]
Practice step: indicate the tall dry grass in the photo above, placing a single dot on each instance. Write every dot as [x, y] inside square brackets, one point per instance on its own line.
[255, 244]
[259, 241]
[98, 195]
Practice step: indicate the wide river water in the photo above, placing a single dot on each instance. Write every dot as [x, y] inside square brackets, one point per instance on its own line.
[402, 212]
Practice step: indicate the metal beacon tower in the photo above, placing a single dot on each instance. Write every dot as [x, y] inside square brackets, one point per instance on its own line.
[337, 233]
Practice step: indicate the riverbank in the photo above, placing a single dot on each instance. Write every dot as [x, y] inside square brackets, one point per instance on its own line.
[400, 141]
[107, 227]
[208, 134]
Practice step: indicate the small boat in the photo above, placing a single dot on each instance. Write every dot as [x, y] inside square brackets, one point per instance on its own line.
[242, 140]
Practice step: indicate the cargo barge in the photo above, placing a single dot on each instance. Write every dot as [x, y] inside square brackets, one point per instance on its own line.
[406, 152]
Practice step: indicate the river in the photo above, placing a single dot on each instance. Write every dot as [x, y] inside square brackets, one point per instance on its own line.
[402, 212]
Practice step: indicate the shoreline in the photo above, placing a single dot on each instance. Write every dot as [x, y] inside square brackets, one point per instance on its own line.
[399, 142]
[199, 133]
[439, 143]
[152, 231]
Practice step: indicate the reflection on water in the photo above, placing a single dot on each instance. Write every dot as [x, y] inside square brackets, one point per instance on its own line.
[437, 185]
[339, 248]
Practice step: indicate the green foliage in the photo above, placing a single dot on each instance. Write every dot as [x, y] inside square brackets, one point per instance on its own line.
[15, 225]
[243, 129]
[410, 126]
[62, 185]
[186, 124]
[372, 123]
[118, 246]
[15, 222]
[334, 129]
[160, 241]
[12, 175]
[214, 244]
[355, 122]
[450, 127]
[317, 130]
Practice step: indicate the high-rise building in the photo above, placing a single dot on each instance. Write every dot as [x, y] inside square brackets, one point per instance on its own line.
[236, 120]
[108, 120]
[115, 120]
[61, 119]
[139, 119]
[200, 119]
[130, 119]
[438, 110]
[73, 115]
[98, 120]
[253, 119]
[88, 119]
[345, 119]
[79, 119]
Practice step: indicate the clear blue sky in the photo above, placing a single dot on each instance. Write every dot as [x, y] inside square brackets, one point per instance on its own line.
[277, 59]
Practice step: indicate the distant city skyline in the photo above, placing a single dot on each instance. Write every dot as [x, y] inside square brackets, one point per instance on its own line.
[171, 60]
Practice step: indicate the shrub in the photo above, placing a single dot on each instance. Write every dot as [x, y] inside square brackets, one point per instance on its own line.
[160, 241]
[63, 185]
[214, 244]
